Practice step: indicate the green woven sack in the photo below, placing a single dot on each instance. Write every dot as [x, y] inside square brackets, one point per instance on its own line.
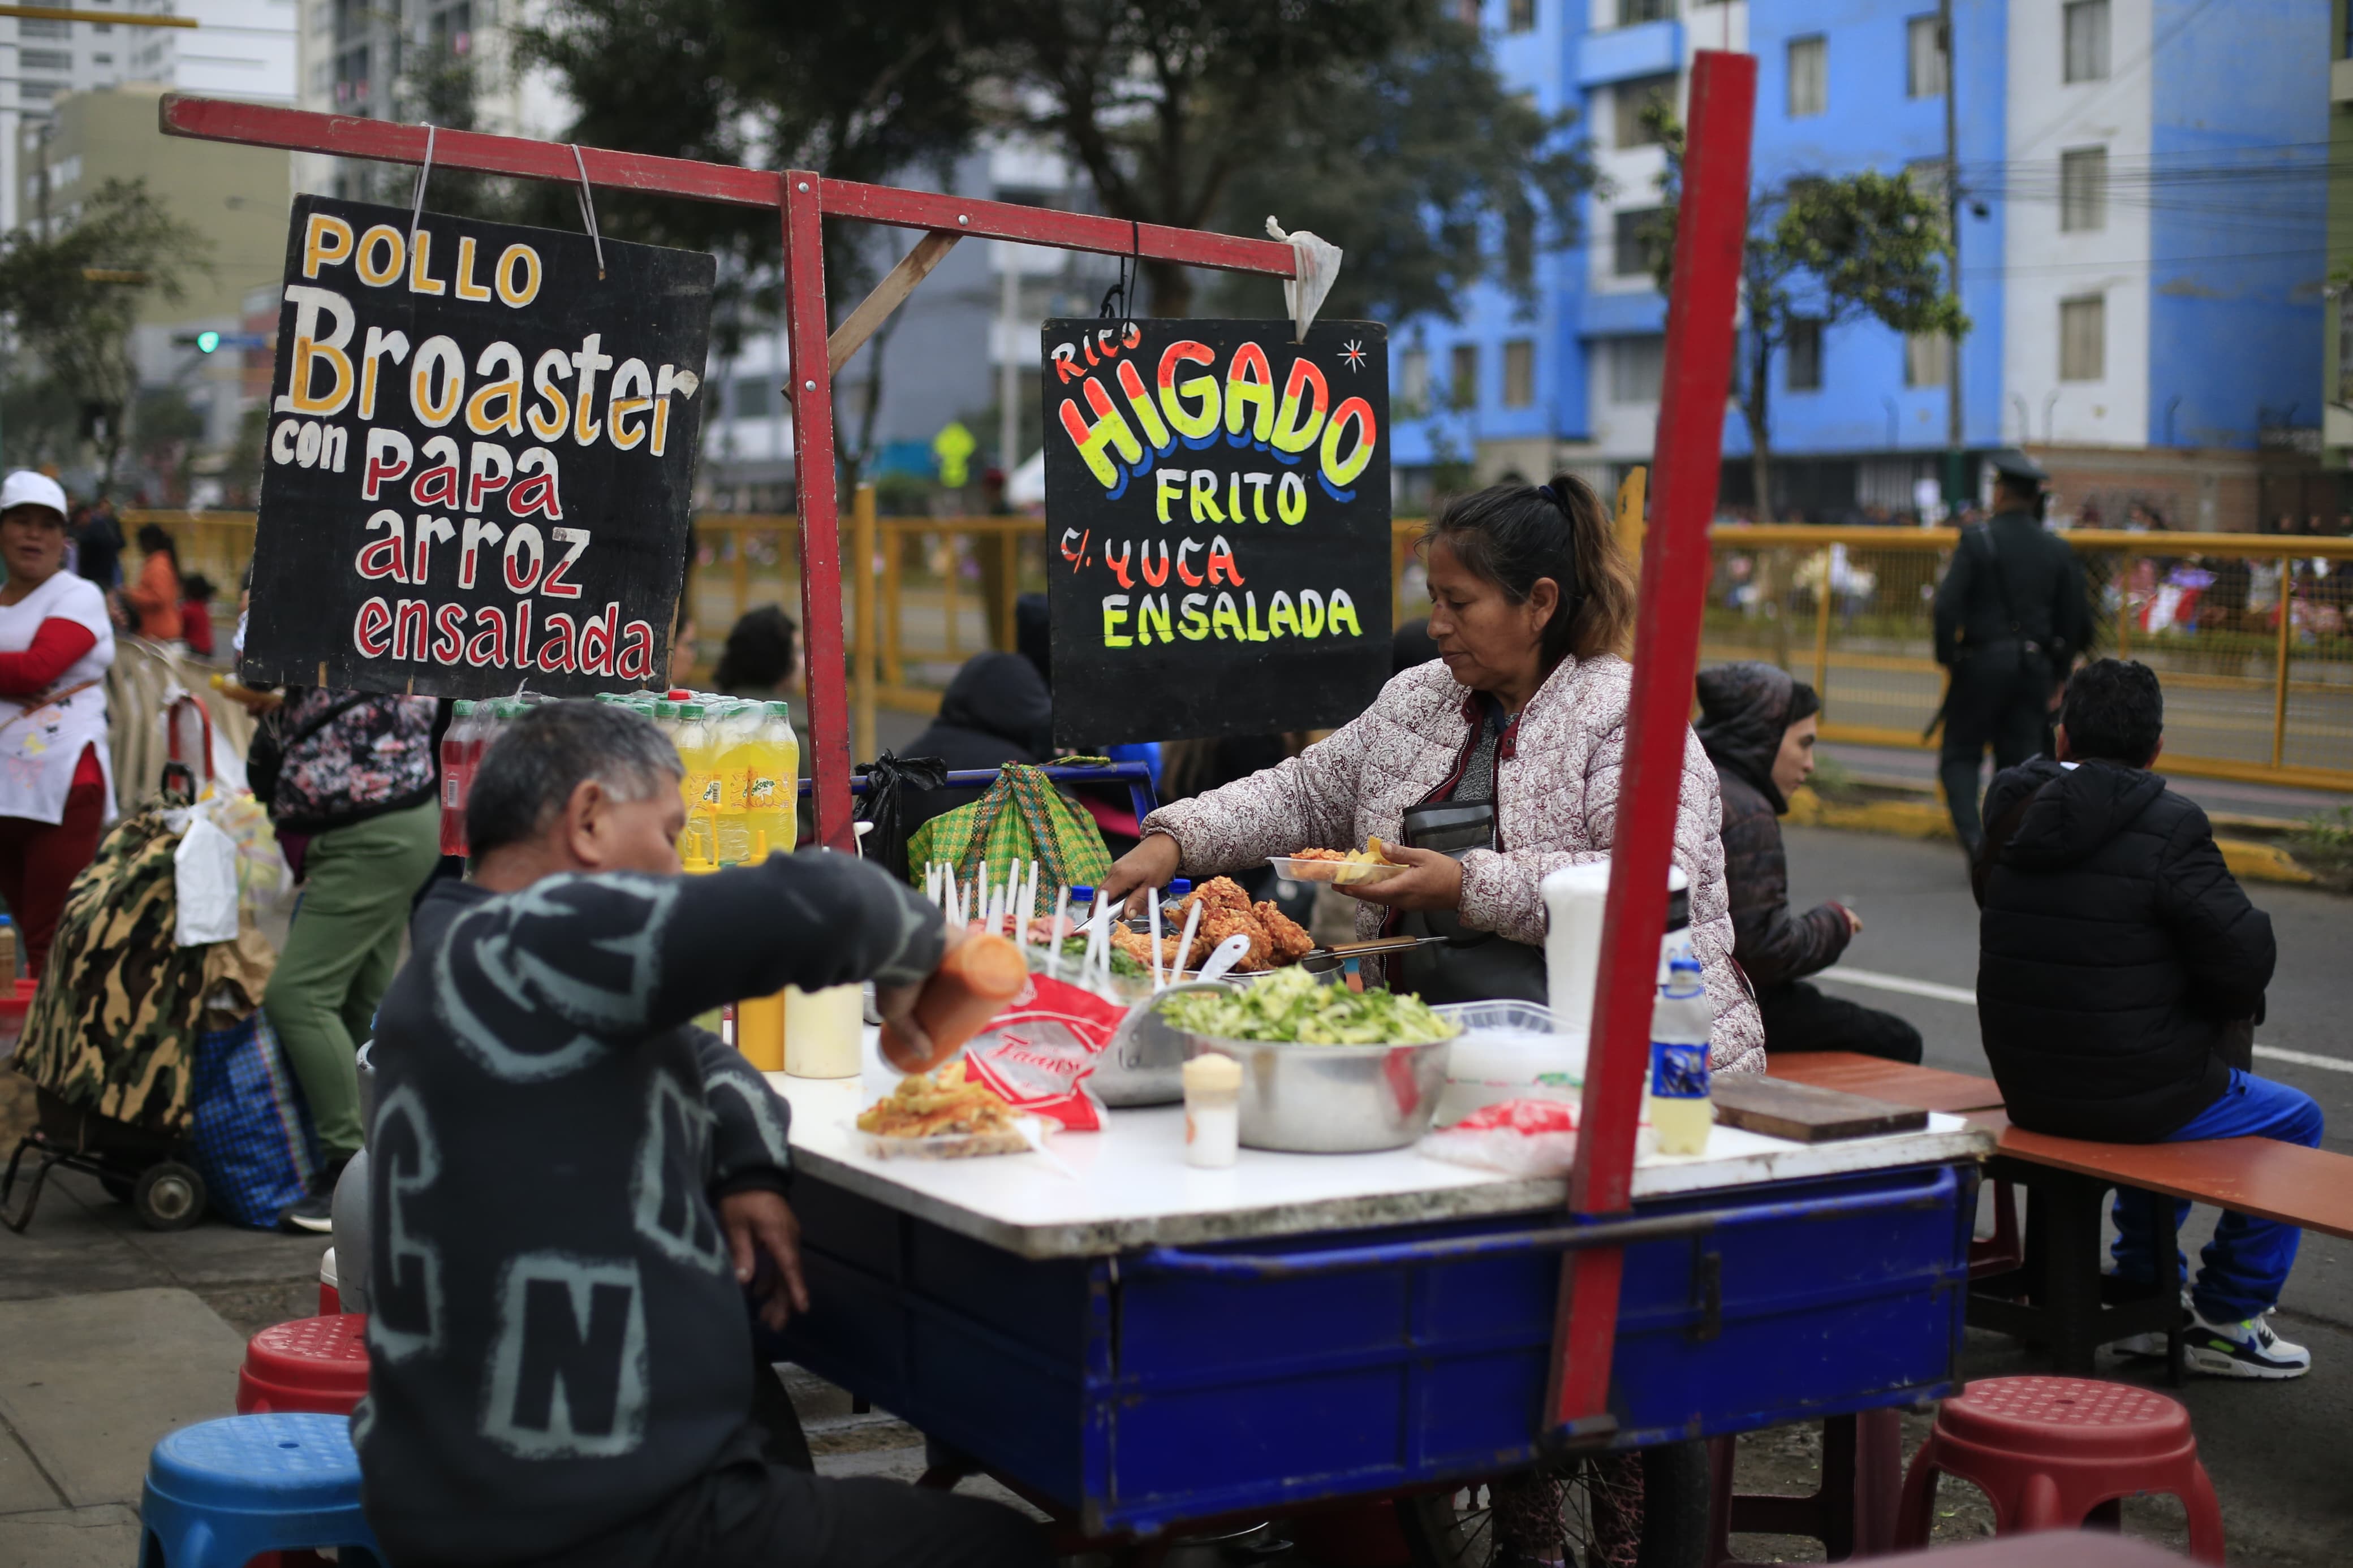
[1023, 817]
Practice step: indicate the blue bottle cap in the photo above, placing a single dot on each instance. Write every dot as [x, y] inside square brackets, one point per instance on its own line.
[1180, 887]
[1082, 895]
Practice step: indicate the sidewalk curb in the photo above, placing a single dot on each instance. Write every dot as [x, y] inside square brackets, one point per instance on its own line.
[2249, 860]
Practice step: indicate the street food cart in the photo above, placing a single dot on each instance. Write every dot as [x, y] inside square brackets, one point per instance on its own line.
[1135, 1343]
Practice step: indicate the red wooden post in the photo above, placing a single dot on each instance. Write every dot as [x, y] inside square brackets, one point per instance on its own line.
[806, 326]
[1712, 227]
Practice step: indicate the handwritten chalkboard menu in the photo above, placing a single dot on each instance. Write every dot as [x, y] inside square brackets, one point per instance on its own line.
[1217, 526]
[480, 456]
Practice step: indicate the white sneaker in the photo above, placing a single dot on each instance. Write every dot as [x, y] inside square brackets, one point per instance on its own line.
[2249, 1349]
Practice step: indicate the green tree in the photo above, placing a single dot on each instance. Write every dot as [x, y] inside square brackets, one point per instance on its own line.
[1378, 124]
[73, 296]
[1823, 250]
[864, 91]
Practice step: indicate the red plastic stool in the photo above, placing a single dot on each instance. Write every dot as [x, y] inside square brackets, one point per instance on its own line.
[317, 1364]
[2053, 1453]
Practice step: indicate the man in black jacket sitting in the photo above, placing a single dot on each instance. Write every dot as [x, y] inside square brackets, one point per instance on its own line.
[2116, 955]
[1758, 726]
[572, 1186]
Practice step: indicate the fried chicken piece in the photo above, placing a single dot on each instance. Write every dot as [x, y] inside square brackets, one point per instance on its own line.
[1138, 945]
[1217, 925]
[1220, 895]
[1289, 942]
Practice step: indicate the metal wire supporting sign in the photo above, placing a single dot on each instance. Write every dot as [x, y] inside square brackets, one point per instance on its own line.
[1697, 374]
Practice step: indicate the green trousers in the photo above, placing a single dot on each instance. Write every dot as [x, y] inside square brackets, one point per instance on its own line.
[340, 954]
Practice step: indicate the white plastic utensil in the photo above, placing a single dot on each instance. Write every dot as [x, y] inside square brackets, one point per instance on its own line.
[1229, 953]
[1184, 942]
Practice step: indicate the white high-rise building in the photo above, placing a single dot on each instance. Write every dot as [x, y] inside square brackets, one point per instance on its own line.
[238, 48]
[398, 59]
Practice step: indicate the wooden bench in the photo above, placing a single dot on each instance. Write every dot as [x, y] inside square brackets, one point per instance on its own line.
[2056, 1295]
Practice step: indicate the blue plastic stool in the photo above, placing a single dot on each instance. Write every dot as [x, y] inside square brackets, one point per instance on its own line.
[220, 1493]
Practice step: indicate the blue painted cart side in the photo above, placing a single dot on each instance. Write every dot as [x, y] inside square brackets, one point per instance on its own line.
[1165, 1385]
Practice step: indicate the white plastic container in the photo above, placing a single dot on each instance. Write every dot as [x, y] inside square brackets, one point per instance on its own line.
[1213, 1110]
[1575, 900]
[822, 1030]
[1507, 1050]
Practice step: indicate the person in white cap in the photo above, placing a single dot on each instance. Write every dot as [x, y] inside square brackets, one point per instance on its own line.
[57, 792]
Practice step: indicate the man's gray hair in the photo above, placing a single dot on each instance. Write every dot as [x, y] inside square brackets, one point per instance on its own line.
[539, 759]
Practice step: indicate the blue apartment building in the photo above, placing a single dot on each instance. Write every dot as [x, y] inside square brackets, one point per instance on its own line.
[2143, 252]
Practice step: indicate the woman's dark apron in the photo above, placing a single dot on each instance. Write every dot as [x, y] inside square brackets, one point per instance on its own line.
[1459, 817]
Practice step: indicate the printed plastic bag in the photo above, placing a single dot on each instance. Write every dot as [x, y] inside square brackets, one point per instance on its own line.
[1038, 1052]
[254, 1142]
[203, 879]
[1517, 1137]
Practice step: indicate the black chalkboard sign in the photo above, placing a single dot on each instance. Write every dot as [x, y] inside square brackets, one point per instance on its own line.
[1217, 526]
[480, 456]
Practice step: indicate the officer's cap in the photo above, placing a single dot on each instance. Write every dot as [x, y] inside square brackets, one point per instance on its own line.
[2009, 463]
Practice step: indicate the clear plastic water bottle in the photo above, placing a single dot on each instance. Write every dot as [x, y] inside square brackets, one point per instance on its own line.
[1677, 1093]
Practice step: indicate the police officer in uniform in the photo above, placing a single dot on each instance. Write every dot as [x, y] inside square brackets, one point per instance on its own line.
[2011, 617]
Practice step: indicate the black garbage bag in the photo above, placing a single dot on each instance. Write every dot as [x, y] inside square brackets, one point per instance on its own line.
[889, 779]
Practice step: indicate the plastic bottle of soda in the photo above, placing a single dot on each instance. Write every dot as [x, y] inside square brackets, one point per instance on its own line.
[737, 730]
[773, 795]
[698, 846]
[457, 776]
[1677, 1093]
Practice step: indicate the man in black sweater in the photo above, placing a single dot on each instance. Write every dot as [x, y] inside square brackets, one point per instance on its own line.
[2119, 966]
[1758, 726]
[571, 1188]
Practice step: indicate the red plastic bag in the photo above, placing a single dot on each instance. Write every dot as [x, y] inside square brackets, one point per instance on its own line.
[1517, 1137]
[1036, 1054]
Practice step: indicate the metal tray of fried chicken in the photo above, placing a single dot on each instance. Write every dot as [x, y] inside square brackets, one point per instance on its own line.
[1145, 1062]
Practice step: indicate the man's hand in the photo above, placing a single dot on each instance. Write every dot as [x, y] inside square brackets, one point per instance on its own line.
[896, 1004]
[1433, 882]
[1854, 921]
[758, 1221]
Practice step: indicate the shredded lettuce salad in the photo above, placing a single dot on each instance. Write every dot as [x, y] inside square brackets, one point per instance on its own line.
[1289, 1007]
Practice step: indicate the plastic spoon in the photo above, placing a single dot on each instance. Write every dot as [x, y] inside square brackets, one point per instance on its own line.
[1229, 953]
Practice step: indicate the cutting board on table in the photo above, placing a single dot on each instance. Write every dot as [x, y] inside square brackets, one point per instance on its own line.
[1804, 1114]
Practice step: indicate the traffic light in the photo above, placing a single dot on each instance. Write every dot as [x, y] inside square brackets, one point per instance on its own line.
[208, 341]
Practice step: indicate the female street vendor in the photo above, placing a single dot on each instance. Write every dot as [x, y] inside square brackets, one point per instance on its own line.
[1482, 770]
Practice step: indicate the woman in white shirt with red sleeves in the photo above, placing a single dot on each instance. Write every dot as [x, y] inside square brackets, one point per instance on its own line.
[57, 792]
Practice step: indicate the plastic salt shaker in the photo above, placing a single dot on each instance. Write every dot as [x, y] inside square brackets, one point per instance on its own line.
[1213, 1110]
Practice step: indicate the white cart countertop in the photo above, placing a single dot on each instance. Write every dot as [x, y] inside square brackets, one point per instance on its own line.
[1128, 1186]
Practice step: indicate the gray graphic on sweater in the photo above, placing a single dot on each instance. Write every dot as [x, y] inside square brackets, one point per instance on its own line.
[666, 1201]
[405, 1313]
[568, 1370]
[530, 963]
[760, 1103]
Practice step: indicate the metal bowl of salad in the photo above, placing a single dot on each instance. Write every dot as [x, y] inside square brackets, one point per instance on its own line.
[1325, 1070]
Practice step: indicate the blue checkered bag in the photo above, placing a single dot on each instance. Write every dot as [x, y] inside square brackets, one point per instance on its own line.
[254, 1143]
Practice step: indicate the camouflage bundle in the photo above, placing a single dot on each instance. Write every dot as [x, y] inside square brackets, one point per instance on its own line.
[113, 1027]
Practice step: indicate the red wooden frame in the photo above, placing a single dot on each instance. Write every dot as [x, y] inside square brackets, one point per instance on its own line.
[1674, 567]
[1712, 227]
[804, 200]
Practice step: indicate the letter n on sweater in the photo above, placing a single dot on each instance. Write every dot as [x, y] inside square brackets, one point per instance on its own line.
[568, 1371]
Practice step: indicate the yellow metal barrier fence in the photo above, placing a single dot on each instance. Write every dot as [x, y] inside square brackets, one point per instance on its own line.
[2252, 694]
